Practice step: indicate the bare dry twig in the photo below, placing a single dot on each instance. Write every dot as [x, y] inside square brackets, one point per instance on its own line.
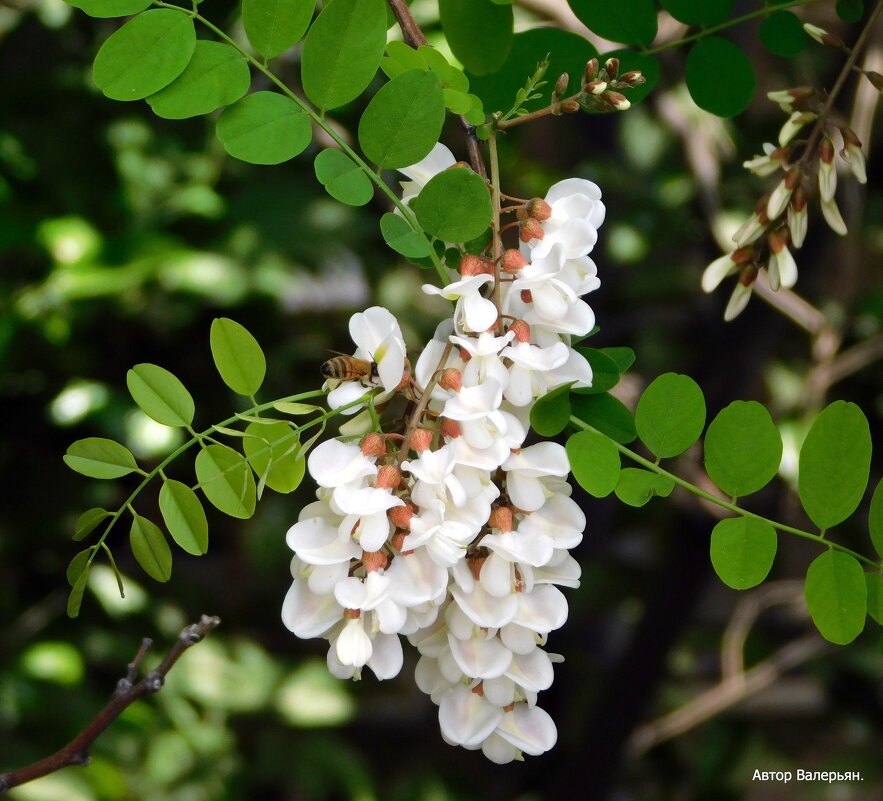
[127, 691]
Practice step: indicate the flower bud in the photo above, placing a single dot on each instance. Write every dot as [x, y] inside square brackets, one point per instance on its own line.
[373, 445]
[617, 100]
[476, 562]
[352, 614]
[822, 36]
[633, 78]
[421, 439]
[531, 229]
[570, 106]
[833, 217]
[787, 98]
[560, 86]
[374, 560]
[521, 330]
[797, 216]
[596, 87]
[591, 70]
[738, 301]
[827, 170]
[875, 78]
[450, 428]
[782, 193]
[538, 208]
[793, 125]
[513, 261]
[471, 265]
[782, 269]
[388, 477]
[501, 519]
[612, 67]
[526, 296]
[400, 516]
[451, 379]
[853, 155]
[397, 540]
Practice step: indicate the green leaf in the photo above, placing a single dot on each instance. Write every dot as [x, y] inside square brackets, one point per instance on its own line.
[98, 457]
[398, 234]
[874, 583]
[699, 12]
[782, 33]
[605, 371]
[450, 75]
[850, 10]
[272, 26]
[719, 76]
[238, 357]
[632, 22]
[110, 8]
[226, 480]
[875, 519]
[264, 128]
[160, 395]
[742, 551]
[342, 51]
[342, 178]
[184, 516]
[150, 548]
[403, 121]
[454, 206]
[836, 596]
[479, 32]
[743, 448]
[551, 413]
[594, 461]
[648, 66]
[295, 409]
[77, 566]
[275, 454]
[834, 465]
[457, 102]
[75, 599]
[405, 56]
[216, 76]
[568, 52]
[636, 487]
[87, 522]
[606, 413]
[624, 357]
[146, 54]
[670, 415]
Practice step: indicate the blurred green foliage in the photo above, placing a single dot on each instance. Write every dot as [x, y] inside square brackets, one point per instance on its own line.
[123, 235]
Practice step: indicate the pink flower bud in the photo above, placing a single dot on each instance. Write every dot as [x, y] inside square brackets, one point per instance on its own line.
[420, 440]
[400, 516]
[531, 229]
[451, 379]
[501, 519]
[471, 265]
[352, 614]
[538, 208]
[526, 296]
[521, 330]
[450, 428]
[373, 445]
[388, 477]
[374, 560]
[513, 261]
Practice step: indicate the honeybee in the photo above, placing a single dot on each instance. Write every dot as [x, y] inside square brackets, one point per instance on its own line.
[349, 368]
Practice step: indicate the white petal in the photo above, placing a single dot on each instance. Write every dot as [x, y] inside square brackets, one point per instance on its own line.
[529, 729]
[466, 718]
[353, 645]
[481, 657]
[439, 158]
[306, 614]
[386, 657]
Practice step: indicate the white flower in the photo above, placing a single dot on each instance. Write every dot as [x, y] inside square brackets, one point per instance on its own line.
[577, 213]
[473, 312]
[526, 470]
[466, 718]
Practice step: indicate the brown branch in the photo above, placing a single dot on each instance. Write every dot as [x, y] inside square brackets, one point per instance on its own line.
[127, 691]
[415, 38]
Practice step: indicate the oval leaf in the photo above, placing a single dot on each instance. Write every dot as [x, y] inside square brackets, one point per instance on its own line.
[110, 8]
[403, 121]
[160, 395]
[342, 51]
[720, 76]
[875, 519]
[836, 596]
[636, 487]
[342, 178]
[184, 516]
[275, 454]
[77, 566]
[264, 128]
[594, 461]
[238, 356]
[670, 415]
[272, 26]
[835, 462]
[145, 55]
[743, 448]
[479, 32]
[87, 522]
[98, 457]
[632, 22]
[605, 371]
[455, 205]
[874, 582]
[551, 413]
[216, 76]
[606, 413]
[782, 33]
[226, 480]
[75, 599]
[742, 551]
[398, 234]
[150, 548]
[699, 12]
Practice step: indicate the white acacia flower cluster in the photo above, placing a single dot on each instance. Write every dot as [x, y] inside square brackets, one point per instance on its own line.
[459, 538]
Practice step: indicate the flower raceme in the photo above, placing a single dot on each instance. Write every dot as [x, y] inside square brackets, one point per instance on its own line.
[451, 532]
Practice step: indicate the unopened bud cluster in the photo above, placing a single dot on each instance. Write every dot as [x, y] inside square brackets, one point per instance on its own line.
[780, 219]
[453, 533]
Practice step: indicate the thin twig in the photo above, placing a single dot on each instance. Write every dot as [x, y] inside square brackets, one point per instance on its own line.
[414, 420]
[127, 691]
[415, 38]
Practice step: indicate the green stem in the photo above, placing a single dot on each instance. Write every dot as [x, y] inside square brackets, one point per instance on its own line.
[635, 457]
[319, 119]
[761, 12]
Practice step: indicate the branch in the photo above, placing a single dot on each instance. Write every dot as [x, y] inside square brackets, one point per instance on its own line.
[127, 691]
[415, 38]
